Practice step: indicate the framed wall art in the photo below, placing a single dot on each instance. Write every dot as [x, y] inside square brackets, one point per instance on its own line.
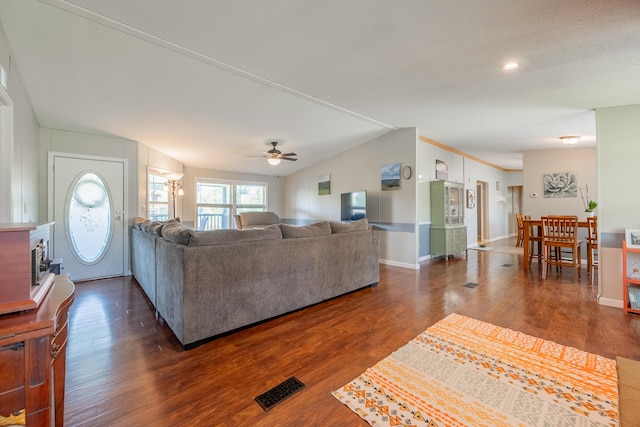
[560, 184]
[390, 176]
[324, 184]
[471, 199]
[632, 237]
[442, 170]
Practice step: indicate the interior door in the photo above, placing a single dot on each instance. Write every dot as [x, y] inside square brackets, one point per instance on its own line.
[88, 206]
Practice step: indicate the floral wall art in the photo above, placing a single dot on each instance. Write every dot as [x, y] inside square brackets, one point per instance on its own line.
[560, 184]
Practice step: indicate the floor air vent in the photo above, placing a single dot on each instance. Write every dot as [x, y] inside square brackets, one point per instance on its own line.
[470, 285]
[279, 393]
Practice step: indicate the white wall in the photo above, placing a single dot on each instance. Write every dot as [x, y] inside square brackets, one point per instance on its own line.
[618, 133]
[580, 161]
[497, 206]
[394, 212]
[19, 185]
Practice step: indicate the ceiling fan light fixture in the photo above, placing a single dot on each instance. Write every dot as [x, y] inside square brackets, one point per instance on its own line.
[569, 140]
[273, 161]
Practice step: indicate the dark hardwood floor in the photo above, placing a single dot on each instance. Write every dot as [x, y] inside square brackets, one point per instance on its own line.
[125, 368]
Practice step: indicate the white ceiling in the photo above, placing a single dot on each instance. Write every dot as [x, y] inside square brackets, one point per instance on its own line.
[210, 82]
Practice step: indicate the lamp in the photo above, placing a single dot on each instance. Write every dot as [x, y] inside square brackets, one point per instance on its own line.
[569, 140]
[274, 161]
[175, 190]
[173, 187]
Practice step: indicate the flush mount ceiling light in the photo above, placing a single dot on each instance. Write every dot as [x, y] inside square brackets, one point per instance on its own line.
[569, 140]
[510, 66]
[273, 161]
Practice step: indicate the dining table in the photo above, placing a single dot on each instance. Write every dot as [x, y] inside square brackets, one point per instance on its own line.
[529, 224]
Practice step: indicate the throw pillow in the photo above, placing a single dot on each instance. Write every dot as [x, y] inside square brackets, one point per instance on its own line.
[176, 232]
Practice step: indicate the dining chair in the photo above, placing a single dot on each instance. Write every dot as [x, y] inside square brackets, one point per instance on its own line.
[520, 224]
[561, 245]
[535, 241]
[592, 246]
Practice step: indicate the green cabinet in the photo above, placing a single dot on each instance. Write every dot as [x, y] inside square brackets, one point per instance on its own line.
[448, 232]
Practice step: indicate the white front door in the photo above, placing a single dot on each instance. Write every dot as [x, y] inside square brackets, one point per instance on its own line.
[88, 206]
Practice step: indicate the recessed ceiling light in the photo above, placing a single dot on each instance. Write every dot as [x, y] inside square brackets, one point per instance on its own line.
[510, 66]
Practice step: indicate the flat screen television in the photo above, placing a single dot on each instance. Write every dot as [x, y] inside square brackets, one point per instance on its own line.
[353, 206]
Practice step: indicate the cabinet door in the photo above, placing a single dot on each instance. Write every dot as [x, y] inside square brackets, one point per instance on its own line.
[455, 208]
[447, 205]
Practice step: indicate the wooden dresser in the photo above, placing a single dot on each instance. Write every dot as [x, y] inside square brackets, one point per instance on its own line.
[33, 357]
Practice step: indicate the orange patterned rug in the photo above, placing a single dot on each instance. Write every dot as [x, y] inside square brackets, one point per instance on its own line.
[464, 372]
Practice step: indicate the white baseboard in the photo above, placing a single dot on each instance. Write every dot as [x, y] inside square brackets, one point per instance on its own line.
[400, 264]
[424, 258]
[611, 302]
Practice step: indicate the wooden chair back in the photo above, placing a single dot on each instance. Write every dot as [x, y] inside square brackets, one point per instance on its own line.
[560, 234]
[592, 222]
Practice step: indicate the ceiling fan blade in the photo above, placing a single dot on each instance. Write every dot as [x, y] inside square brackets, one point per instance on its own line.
[287, 158]
[289, 154]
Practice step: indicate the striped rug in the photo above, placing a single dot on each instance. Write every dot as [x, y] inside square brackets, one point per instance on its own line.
[464, 372]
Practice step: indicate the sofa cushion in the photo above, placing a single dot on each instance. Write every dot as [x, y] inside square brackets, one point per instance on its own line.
[258, 219]
[347, 227]
[218, 237]
[175, 231]
[153, 227]
[628, 391]
[295, 231]
[137, 222]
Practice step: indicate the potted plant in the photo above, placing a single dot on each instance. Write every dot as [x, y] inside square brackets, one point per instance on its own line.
[589, 204]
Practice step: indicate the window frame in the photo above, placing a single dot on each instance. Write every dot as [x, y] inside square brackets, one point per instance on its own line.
[234, 206]
[150, 203]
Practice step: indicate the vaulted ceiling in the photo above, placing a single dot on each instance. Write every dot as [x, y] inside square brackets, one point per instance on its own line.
[212, 82]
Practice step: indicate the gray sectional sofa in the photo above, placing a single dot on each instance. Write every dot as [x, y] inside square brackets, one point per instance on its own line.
[207, 283]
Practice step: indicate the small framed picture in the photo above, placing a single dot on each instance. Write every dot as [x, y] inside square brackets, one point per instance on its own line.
[633, 237]
[471, 199]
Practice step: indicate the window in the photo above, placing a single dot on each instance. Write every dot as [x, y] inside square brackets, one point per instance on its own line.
[158, 202]
[218, 201]
[89, 218]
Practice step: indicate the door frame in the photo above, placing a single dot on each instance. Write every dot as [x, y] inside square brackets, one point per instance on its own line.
[51, 155]
[482, 212]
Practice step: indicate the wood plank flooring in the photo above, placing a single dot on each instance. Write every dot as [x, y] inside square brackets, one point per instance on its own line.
[125, 368]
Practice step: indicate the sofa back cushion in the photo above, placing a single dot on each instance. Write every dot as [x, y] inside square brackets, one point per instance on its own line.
[218, 237]
[321, 228]
[347, 227]
[175, 231]
[153, 227]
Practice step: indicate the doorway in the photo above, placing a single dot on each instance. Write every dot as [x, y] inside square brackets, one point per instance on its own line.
[514, 193]
[482, 212]
[87, 202]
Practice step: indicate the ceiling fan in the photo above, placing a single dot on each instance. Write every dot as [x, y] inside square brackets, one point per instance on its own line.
[274, 155]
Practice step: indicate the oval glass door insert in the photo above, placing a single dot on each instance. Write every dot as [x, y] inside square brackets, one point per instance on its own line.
[89, 218]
